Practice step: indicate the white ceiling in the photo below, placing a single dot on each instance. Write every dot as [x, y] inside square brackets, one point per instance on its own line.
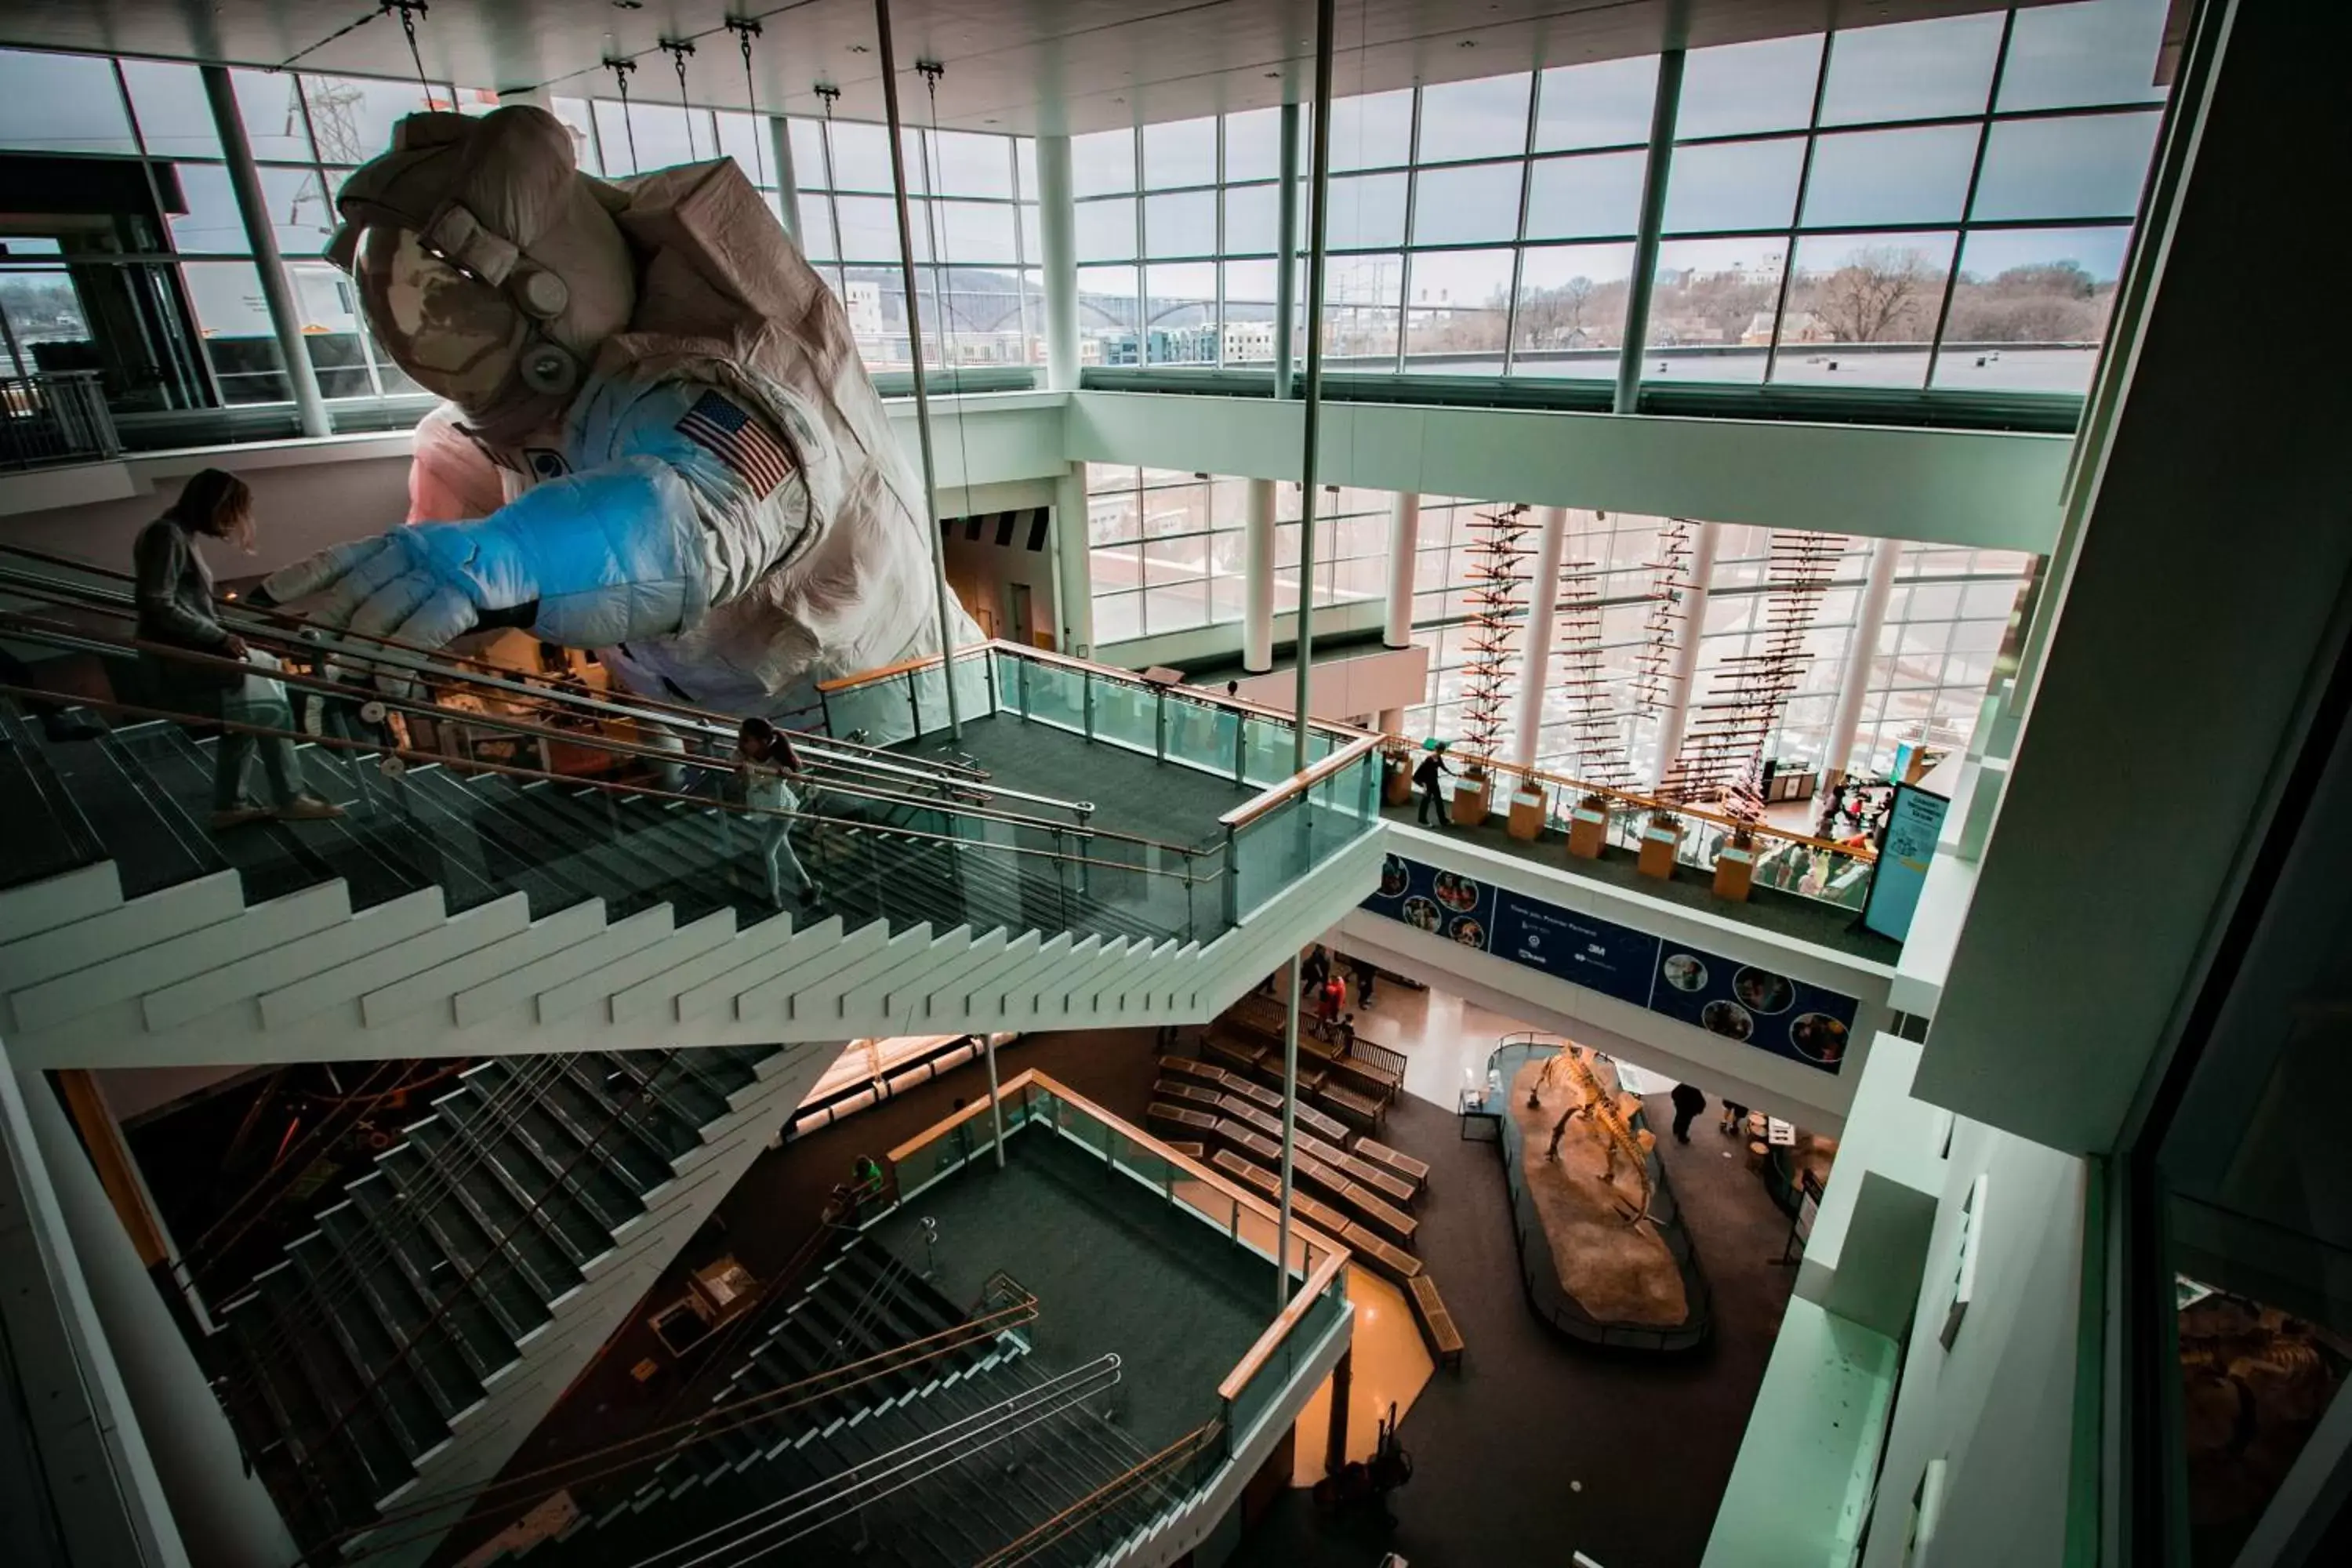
[1012, 65]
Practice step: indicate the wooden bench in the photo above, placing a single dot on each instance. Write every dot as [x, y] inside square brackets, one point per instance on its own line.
[1266, 1097]
[1363, 1172]
[1181, 1116]
[1268, 1185]
[1190, 1150]
[1175, 1093]
[1404, 1165]
[1390, 1221]
[1192, 1067]
[1361, 1111]
[1400, 1268]
[1437, 1328]
[1233, 1054]
[1241, 1109]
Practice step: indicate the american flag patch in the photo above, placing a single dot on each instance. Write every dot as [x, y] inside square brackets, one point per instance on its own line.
[737, 439]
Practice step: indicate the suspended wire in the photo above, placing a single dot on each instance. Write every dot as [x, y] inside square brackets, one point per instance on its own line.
[409, 11]
[677, 49]
[932, 70]
[621, 69]
[745, 30]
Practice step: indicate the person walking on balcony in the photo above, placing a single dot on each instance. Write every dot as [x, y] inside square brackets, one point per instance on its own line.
[768, 761]
[1689, 1101]
[175, 591]
[1426, 776]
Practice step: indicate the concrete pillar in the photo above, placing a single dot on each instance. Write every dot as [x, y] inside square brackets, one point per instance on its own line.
[276, 287]
[1057, 236]
[1335, 1433]
[226, 1517]
[1257, 578]
[1404, 539]
[1074, 603]
[1543, 602]
[1869, 619]
[1675, 717]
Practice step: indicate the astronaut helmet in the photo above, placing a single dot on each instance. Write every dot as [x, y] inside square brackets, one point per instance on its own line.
[487, 265]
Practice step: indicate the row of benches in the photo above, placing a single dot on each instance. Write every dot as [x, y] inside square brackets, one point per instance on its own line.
[1414, 1173]
[1357, 1066]
[1437, 1323]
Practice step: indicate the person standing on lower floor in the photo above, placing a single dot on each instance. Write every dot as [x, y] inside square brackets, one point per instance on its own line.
[1735, 1116]
[174, 595]
[1689, 1101]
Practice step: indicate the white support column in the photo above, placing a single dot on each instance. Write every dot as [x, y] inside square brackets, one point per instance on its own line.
[1057, 236]
[226, 1518]
[1257, 578]
[1869, 619]
[995, 1105]
[1676, 718]
[1404, 538]
[261, 239]
[788, 180]
[1543, 602]
[1073, 600]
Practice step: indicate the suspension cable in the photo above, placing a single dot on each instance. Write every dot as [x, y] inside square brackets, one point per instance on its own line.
[621, 69]
[409, 11]
[931, 72]
[677, 49]
[745, 30]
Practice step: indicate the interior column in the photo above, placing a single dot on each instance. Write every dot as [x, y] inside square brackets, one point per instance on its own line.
[1057, 237]
[1675, 717]
[1861, 658]
[261, 239]
[1074, 603]
[1543, 603]
[1257, 578]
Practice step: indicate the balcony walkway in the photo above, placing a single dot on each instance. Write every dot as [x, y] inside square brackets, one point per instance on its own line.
[1783, 914]
[1131, 793]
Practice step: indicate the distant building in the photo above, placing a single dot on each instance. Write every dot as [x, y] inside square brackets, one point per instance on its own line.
[863, 300]
[1247, 342]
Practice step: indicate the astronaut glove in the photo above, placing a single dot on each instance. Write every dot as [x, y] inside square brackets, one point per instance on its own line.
[591, 560]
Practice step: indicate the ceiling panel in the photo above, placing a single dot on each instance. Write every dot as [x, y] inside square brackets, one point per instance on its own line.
[1012, 65]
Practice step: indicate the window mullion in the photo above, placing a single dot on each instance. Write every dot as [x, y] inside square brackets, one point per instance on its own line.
[1968, 203]
[1519, 240]
[1797, 213]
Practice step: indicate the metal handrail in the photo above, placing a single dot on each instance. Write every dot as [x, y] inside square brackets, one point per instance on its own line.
[1135, 1477]
[313, 641]
[409, 754]
[31, 629]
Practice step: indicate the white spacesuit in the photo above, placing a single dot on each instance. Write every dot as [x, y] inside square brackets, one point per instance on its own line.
[695, 476]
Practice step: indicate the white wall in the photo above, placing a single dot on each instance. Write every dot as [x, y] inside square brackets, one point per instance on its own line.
[1350, 685]
[1999, 1407]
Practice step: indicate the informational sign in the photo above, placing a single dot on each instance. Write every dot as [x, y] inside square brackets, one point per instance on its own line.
[1740, 1002]
[1913, 823]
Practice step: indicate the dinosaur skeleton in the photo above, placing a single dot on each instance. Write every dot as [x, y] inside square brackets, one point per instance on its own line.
[1619, 1140]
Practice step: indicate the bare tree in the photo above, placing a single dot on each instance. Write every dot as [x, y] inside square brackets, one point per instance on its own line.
[1875, 291]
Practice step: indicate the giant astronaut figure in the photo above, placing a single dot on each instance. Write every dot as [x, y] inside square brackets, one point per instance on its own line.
[655, 417]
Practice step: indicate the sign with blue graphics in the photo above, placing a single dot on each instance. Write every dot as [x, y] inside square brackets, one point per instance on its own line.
[1913, 823]
[1755, 1006]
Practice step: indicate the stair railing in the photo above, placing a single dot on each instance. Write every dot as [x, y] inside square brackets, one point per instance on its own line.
[651, 1447]
[1168, 1477]
[776, 1524]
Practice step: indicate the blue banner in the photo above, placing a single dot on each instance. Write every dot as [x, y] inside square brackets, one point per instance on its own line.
[1913, 825]
[1755, 1006]
[1740, 1002]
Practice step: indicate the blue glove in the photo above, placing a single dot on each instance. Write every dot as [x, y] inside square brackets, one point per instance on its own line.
[592, 560]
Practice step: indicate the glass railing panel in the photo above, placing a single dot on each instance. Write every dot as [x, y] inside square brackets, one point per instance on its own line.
[1271, 1378]
[1271, 851]
[1267, 757]
[1127, 715]
[1053, 693]
[1203, 735]
[878, 713]
[976, 684]
[1147, 1165]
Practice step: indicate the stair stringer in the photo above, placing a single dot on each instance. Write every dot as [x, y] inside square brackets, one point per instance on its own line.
[202, 978]
[485, 1437]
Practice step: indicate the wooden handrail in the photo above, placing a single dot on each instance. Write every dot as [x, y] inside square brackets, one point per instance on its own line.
[891, 671]
[1297, 783]
[940, 1129]
[1398, 744]
[1279, 1330]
